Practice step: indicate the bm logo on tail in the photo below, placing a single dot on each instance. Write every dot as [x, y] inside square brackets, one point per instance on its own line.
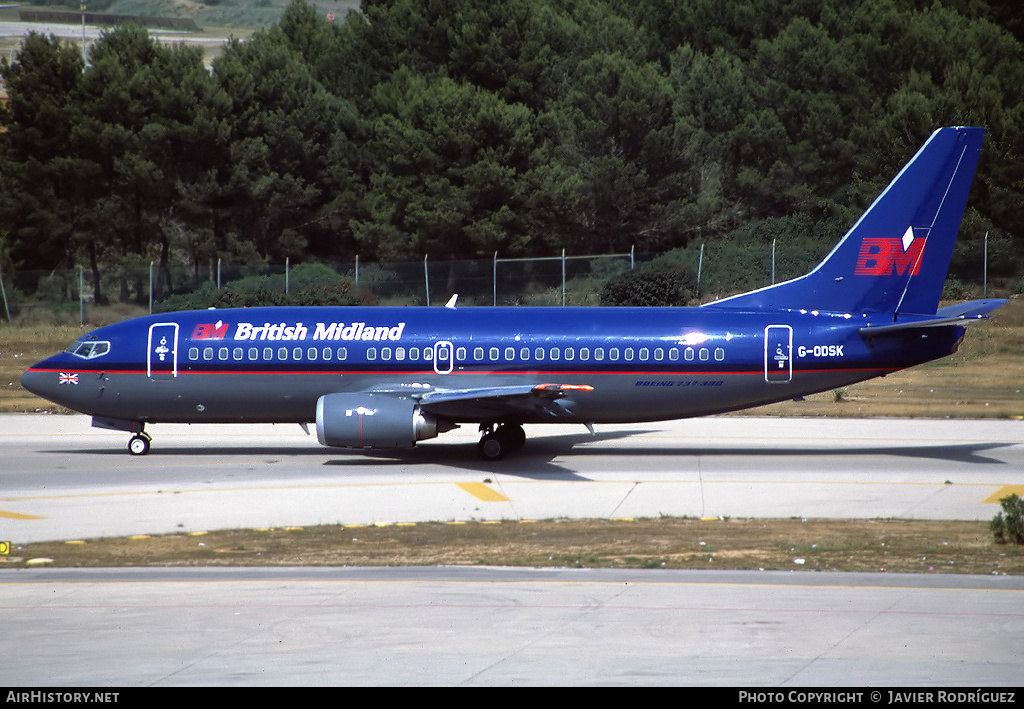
[881, 256]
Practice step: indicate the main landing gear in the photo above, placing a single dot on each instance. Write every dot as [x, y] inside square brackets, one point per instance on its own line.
[498, 442]
[139, 443]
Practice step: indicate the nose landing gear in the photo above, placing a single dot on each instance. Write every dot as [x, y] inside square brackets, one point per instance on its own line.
[498, 442]
[139, 443]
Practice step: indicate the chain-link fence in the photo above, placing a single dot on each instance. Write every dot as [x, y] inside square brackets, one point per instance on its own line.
[714, 271]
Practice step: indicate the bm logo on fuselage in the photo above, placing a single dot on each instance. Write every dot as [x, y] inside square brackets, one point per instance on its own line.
[210, 331]
[881, 256]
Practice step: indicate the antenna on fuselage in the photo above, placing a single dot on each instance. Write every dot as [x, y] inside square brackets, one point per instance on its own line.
[451, 301]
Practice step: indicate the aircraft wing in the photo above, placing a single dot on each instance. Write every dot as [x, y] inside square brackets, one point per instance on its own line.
[545, 400]
[960, 314]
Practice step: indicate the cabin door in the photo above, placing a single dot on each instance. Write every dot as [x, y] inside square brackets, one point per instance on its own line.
[162, 351]
[444, 357]
[778, 354]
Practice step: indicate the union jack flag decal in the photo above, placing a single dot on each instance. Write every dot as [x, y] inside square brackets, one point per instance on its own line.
[67, 378]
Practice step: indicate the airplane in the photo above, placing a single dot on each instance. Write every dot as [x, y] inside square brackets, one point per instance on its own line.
[385, 377]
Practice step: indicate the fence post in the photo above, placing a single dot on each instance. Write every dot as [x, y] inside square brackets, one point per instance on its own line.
[218, 273]
[286, 264]
[984, 271]
[150, 287]
[773, 262]
[357, 269]
[700, 265]
[426, 277]
[494, 279]
[3, 292]
[81, 295]
[563, 278]
[632, 249]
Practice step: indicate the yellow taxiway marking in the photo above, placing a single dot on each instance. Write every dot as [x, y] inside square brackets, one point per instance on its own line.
[482, 492]
[1002, 492]
[18, 515]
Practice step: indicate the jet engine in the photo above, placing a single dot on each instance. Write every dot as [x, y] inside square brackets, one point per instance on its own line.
[373, 420]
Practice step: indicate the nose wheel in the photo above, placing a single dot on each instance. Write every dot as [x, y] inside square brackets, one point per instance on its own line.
[498, 442]
[139, 444]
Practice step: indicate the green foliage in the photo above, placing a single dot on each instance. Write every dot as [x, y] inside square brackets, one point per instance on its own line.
[658, 284]
[1008, 525]
[463, 127]
[307, 284]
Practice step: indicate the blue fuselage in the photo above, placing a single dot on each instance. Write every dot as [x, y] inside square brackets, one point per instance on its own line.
[631, 364]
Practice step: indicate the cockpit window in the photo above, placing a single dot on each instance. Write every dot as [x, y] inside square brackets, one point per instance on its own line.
[88, 350]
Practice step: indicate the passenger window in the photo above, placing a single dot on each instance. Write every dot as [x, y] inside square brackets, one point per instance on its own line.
[719, 354]
[311, 354]
[400, 353]
[342, 353]
[524, 353]
[538, 353]
[688, 354]
[193, 353]
[237, 353]
[478, 353]
[297, 353]
[644, 353]
[207, 353]
[222, 353]
[371, 353]
[569, 353]
[385, 353]
[613, 354]
[327, 352]
[510, 353]
[673, 354]
[414, 353]
[553, 352]
[584, 353]
[704, 354]
[493, 354]
[254, 353]
[659, 354]
[282, 353]
[599, 353]
[460, 354]
[629, 354]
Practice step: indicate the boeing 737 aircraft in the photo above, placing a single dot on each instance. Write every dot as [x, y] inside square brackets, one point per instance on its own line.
[389, 377]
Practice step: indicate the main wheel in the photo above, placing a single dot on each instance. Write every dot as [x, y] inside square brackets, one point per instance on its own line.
[138, 445]
[493, 446]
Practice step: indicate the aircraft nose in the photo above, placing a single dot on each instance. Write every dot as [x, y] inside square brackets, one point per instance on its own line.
[36, 382]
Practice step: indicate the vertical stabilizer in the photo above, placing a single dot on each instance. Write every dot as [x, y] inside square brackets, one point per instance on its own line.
[895, 258]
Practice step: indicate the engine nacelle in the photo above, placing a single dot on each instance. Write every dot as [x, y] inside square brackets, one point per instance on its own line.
[369, 420]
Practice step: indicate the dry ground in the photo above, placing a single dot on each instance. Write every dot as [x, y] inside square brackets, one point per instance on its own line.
[671, 543]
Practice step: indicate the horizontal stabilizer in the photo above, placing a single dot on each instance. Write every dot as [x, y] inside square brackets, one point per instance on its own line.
[961, 314]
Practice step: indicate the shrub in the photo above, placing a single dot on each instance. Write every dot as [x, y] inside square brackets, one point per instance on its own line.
[658, 284]
[1008, 525]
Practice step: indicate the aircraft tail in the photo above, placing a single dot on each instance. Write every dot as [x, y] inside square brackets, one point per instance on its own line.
[895, 258]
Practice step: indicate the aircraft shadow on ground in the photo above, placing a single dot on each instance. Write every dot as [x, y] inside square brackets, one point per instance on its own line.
[538, 456]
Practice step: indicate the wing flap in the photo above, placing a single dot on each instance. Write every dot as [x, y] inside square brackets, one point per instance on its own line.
[486, 403]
